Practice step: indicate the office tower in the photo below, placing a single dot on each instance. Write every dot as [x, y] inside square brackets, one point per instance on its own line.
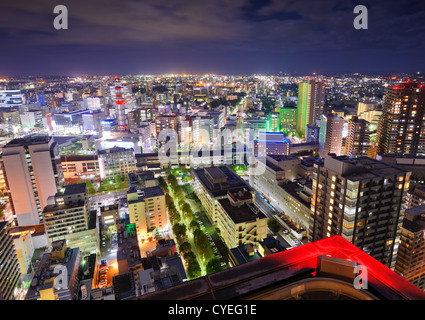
[312, 135]
[273, 123]
[116, 161]
[330, 135]
[357, 142]
[362, 200]
[34, 172]
[271, 143]
[42, 285]
[311, 99]
[186, 128]
[410, 260]
[240, 221]
[401, 128]
[202, 130]
[288, 119]
[147, 210]
[9, 266]
[67, 217]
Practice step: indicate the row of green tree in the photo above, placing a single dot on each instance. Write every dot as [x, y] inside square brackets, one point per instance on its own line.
[190, 224]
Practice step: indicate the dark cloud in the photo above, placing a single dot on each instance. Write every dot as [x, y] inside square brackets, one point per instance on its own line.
[222, 36]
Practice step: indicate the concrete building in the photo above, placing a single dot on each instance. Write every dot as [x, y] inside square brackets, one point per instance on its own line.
[362, 200]
[147, 210]
[410, 262]
[34, 172]
[239, 220]
[43, 284]
[401, 128]
[68, 218]
[11, 98]
[357, 141]
[271, 143]
[116, 161]
[80, 167]
[32, 119]
[311, 99]
[10, 269]
[211, 184]
[330, 136]
[415, 196]
[248, 252]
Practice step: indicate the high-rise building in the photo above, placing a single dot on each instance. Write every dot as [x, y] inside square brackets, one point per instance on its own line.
[362, 200]
[146, 208]
[311, 99]
[401, 128]
[357, 142]
[67, 217]
[288, 119]
[273, 123]
[330, 135]
[410, 260]
[11, 98]
[312, 134]
[9, 266]
[34, 172]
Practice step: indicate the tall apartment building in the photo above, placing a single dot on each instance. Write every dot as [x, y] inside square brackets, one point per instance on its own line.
[116, 161]
[311, 99]
[362, 200]
[410, 257]
[67, 217]
[401, 128]
[357, 142]
[9, 266]
[147, 210]
[288, 119]
[415, 196]
[330, 136]
[34, 172]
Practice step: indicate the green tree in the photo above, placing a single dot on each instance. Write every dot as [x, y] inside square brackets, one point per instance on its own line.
[274, 225]
[101, 188]
[185, 247]
[202, 244]
[213, 266]
[194, 225]
[179, 231]
[91, 190]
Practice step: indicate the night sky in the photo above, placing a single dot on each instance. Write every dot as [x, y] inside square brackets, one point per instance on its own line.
[215, 36]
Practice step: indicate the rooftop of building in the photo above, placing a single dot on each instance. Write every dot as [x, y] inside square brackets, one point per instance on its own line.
[219, 190]
[128, 253]
[245, 253]
[294, 189]
[72, 189]
[124, 286]
[77, 157]
[298, 274]
[414, 219]
[115, 149]
[361, 168]
[247, 212]
[35, 229]
[28, 141]
[145, 193]
[45, 270]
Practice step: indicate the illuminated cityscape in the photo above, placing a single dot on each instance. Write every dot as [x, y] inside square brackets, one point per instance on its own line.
[268, 183]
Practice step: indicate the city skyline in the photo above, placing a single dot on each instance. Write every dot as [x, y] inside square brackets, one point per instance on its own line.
[241, 37]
